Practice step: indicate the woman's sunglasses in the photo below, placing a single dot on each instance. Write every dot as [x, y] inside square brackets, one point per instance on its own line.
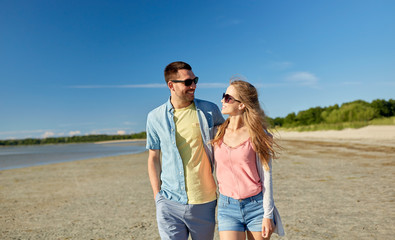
[229, 98]
[187, 82]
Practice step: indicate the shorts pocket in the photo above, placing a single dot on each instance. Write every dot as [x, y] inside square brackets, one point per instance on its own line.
[223, 202]
[259, 203]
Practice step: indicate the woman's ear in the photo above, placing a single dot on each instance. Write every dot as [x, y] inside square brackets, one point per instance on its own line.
[242, 106]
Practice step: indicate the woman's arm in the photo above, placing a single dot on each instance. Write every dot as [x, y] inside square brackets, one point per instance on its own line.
[268, 201]
[267, 188]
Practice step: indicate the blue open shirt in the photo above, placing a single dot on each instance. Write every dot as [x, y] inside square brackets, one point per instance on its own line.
[161, 135]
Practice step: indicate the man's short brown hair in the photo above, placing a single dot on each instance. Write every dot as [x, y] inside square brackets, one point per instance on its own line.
[172, 69]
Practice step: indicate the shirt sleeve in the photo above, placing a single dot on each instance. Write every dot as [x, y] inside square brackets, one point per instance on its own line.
[267, 188]
[153, 141]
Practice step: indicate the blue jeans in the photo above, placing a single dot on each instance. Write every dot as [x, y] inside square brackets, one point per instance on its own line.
[240, 215]
[176, 221]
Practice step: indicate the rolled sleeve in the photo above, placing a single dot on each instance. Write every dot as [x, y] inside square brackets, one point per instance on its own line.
[153, 140]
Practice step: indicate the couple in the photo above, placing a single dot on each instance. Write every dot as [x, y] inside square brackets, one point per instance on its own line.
[182, 148]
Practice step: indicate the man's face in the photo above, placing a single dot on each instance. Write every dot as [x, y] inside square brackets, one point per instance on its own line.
[179, 92]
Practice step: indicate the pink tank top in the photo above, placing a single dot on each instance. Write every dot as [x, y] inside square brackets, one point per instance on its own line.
[236, 169]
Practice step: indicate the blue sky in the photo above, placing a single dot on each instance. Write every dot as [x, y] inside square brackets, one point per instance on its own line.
[96, 67]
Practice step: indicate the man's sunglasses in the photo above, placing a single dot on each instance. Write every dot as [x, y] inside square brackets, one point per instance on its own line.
[187, 82]
[229, 98]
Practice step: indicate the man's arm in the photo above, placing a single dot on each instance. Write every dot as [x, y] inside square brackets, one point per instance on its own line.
[154, 169]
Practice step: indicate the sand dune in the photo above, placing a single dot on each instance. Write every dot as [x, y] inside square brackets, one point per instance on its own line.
[369, 133]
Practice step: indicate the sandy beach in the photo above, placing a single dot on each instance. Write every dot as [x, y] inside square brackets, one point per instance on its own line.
[327, 185]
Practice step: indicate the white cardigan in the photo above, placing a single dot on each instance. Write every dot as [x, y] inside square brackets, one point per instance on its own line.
[270, 210]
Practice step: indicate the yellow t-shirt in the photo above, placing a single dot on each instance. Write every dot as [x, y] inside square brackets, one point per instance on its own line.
[199, 181]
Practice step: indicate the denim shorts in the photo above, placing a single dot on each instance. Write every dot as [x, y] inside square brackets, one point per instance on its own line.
[240, 215]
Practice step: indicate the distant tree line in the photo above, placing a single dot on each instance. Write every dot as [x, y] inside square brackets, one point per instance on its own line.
[356, 111]
[73, 139]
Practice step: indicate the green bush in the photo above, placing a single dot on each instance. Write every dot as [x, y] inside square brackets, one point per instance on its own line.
[352, 114]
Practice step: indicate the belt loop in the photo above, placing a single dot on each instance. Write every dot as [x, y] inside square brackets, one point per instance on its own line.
[254, 199]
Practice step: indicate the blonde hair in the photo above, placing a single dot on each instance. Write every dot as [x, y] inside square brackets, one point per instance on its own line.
[255, 119]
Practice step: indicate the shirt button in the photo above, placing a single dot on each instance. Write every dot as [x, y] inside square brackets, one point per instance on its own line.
[182, 188]
[180, 173]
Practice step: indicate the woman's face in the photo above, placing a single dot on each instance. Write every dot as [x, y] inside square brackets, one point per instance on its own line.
[232, 105]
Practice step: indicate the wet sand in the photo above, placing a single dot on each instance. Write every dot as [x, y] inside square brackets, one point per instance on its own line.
[324, 187]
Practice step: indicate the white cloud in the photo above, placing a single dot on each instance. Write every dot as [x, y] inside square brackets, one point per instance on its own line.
[121, 132]
[48, 134]
[73, 133]
[213, 85]
[39, 133]
[110, 131]
[303, 78]
[153, 85]
[10, 138]
[222, 85]
[158, 85]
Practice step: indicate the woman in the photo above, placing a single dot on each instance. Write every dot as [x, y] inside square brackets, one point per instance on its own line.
[243, 149]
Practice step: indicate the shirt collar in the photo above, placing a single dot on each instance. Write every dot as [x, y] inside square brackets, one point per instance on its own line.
[170, 108]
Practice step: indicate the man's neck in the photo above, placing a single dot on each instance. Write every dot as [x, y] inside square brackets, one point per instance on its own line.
[179, 104]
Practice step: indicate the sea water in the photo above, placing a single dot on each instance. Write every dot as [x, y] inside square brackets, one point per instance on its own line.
[33, 155]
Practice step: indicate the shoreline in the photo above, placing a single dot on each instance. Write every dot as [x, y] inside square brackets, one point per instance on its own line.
[122, 141]
[35, 155]
[98, 142]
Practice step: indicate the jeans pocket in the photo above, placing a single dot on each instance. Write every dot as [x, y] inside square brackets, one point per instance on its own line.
[158, 197]
[222, 202]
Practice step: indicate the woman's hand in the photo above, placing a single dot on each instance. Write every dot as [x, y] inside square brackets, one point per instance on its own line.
[267, 228]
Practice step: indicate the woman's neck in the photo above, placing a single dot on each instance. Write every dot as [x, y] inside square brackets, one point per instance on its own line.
[236, 123]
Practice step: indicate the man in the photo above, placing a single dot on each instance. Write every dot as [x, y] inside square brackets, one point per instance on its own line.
[182, 182]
